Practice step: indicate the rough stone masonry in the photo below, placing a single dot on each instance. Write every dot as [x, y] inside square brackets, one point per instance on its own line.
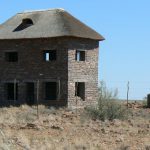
[49, 55]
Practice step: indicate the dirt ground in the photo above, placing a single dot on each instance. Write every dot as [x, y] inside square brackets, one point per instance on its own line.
[63, 129]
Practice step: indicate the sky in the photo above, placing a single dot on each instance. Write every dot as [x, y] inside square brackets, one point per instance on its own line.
[125, 24]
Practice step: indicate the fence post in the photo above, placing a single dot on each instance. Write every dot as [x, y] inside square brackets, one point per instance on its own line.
[128, 93]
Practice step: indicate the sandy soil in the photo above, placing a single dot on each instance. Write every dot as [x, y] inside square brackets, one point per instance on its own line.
[62, 129]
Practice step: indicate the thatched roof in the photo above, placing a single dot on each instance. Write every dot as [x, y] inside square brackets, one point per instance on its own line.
[45, 24]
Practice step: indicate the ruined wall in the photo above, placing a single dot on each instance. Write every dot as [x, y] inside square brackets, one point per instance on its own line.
[30, 65]
[83, 71]
[66, 69]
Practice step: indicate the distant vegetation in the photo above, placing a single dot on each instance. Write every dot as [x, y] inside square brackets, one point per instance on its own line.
[107, 107]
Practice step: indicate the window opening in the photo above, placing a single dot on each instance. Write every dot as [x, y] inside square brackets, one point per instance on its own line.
[50, 55]
[80, 55]
[11, 56]
[80, 90]
[25, 24]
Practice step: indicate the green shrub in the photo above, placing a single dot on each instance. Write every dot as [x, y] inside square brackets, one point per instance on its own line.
[144, 103]
[108, 106]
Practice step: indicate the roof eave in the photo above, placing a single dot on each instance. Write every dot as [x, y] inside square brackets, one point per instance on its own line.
[21, 38]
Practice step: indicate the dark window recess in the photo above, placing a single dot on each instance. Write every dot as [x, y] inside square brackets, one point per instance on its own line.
[80, 90]
[51, 90]
[12, 91]
[11, 56]
[50, 55]
[25, 24]
[30, 93]
[80, 55]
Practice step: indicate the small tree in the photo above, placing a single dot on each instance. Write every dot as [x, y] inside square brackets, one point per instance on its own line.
[107, 107]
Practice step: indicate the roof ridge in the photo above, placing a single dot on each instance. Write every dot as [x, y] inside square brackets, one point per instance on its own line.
[42, 10]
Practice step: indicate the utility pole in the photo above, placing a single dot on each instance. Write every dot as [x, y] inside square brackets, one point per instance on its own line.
[128, 87]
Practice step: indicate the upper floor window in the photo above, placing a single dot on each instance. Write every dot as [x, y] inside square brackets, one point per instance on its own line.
[50, 55]
[27, 22]
[11, 56]
[80, 55]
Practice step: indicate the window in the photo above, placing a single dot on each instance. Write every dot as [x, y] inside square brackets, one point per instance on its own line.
[80, 55]
[25, 24]
[11, 56]
[80, 90]
[12, 91]
[50, 90]
[50, 55]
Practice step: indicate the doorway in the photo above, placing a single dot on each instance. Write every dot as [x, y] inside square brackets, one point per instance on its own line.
[51, 90]
[80, 90]
[12, 91]
[30, 93]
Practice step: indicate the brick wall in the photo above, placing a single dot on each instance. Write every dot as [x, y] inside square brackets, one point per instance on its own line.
[30, 65]
[83, 71]
[65, 70]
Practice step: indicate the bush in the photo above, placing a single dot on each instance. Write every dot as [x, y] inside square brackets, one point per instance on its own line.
[144, 103]
[107, 107]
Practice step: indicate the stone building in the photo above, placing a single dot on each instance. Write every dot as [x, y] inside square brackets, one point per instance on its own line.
[49, 56]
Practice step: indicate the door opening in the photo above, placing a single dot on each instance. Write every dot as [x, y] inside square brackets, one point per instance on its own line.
[12, 91]
[80, 90]
[30, 93]
[51, 90]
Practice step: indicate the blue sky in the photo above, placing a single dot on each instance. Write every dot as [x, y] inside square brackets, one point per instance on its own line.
[124, 55]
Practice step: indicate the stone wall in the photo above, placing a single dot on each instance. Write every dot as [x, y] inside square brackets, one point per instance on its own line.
[66, 69]
[31, 66]
[83, 71]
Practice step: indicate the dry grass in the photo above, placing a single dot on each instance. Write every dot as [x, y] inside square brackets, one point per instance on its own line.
[61, 129]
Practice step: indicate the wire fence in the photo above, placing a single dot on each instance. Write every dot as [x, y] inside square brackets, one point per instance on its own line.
[138, 90]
